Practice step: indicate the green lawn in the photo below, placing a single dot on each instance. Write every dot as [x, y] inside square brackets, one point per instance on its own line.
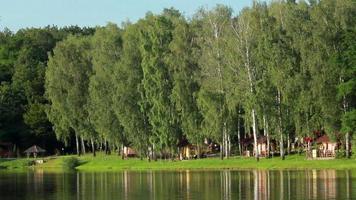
[114, 163]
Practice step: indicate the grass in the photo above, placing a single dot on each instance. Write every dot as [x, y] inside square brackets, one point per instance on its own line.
[15, 164]
[114, 163]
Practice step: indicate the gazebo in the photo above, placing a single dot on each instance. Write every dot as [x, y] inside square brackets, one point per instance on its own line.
[34, 150]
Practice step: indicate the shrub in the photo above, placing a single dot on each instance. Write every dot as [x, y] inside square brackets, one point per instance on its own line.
[340, 154]
[70, 163]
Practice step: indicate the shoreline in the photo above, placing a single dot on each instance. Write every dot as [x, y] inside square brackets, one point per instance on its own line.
[112, 163]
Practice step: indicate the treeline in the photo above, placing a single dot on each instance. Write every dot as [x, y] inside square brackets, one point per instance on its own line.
[23, 61]
[282, 70]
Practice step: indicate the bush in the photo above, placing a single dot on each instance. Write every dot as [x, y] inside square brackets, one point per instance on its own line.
[340, 154]
[70, 163]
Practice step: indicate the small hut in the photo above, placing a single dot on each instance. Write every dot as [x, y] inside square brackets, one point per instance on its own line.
[35, 150]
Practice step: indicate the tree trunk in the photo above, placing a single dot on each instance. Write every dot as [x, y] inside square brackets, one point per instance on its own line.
[226, 142]
[222, 150]
[118, 150]
[281, 142]
[228, 146]
[347, 137]
[106, 147]
[281, 147]
[83, 145]
[254, 129]
[252, 91]
[265, 129]
[308, 150]
[154, 156]
[122, 152]
[149, 154]
[238, 134]
[77, 144]
[199, 151]
[93, 147]
[288, 144]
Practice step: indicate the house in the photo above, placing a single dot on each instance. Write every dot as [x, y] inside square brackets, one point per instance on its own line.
[326, 147]
[249, 149]
[129, 152]
[189, 151]
[6, 149]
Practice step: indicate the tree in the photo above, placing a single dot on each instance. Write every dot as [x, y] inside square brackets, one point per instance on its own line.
[67, 88]
[345, 60]
[245, 66]
[129, 96]
[106, 53]
[213, 73]
[156, 36]
[185, 70]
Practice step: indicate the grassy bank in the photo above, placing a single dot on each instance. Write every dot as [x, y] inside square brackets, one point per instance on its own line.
[114, 163]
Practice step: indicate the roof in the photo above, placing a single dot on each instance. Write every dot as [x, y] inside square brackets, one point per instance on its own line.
[35, 149]
[260, 140]
[323, 139]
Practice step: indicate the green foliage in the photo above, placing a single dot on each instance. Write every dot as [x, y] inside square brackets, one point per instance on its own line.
[340, 154]
[156, 36]
[106, 52]
[70, 163]
[285, 68]
[67, 81]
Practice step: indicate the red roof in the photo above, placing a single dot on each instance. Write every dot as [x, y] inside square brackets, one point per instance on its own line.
[260, 140]
[308, 139]
[323, 139]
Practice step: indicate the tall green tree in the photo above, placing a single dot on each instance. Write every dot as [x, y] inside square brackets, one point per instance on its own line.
[129, 97]
[185, 71]
[213, 66]
[156, 36]
[106, 53]
[67, 88]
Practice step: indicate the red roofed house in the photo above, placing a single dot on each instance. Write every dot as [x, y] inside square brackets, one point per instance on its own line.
[326, 147]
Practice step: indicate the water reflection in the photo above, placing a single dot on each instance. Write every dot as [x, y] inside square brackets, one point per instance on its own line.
[225, 184]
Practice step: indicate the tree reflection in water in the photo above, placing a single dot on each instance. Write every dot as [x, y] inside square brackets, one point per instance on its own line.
[224, 184]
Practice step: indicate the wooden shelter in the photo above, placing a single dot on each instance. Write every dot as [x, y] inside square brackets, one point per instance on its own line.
[35, 150]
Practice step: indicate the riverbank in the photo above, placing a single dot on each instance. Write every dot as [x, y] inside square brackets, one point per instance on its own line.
[115, 163]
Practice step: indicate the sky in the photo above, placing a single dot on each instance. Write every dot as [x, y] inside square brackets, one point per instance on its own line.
[17, 14]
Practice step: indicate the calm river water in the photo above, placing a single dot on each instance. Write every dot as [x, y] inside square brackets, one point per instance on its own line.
[170, 185]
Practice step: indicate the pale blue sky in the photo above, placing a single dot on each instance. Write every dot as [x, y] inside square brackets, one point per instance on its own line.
[16, 14]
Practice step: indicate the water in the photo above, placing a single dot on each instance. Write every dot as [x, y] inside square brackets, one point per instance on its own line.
[170, 185]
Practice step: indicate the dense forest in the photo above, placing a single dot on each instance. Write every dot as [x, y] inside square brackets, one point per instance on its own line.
[283, 69]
